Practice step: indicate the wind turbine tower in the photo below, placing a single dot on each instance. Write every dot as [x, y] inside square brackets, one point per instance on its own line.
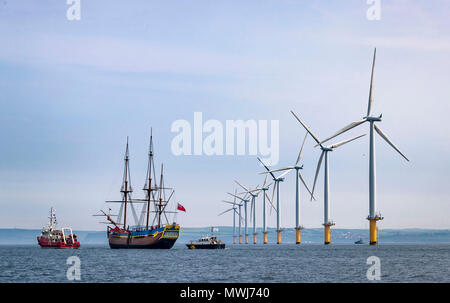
[240, 223]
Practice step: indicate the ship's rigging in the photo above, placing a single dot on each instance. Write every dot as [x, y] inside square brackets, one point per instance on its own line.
[154, 195]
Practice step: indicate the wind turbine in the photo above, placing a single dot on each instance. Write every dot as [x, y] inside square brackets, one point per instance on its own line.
[298, 226]
[373, 215]
[234, 216]
[276, 188]
[254, 194]
[245, 201]
[327, 223]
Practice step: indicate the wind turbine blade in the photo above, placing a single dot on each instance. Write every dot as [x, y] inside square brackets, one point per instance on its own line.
[307, 128]
[257, 191]
[388, 141]
[265, 181]
[234, 203]
[246, 196]
[225, 211]
[301, 149]
[273, 176]
[369, 107]
[279, 169]
[237, 213]
[346, 141]
[267, 196]
[236, 196]
[273, 196]
[245, 188]
[304, 183]
[250, 191]
[284, 174]
[317, 172]
[348, 127]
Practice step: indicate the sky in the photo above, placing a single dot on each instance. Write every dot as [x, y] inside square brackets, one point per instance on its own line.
[72, 91]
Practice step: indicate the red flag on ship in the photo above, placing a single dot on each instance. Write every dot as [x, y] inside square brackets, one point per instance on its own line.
[181, 207]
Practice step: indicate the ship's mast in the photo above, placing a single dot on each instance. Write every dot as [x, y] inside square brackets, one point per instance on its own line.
[160, 197]
[126, 187]
[52, 218]
[149, 178]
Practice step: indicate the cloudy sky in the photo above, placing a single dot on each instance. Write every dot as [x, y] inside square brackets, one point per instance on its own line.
[71, 91]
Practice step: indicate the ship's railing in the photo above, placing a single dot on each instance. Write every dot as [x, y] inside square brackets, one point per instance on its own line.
[70, 234]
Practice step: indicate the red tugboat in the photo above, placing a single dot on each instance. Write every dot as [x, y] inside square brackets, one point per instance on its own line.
[57, 238]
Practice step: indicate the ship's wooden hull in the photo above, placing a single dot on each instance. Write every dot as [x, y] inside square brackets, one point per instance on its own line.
[158, 238]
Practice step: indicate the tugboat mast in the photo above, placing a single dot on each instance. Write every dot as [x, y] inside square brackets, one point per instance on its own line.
[52, 219]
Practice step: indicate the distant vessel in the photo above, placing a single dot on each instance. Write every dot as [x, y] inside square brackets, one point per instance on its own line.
[57, 238]
[360, 241]
[151, 235]
[207, 242]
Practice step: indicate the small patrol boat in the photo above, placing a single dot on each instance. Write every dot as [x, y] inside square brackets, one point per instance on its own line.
[207, 242]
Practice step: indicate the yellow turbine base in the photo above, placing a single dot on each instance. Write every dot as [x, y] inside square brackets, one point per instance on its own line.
[254, 238]
[234, 239]
[298, 236]
[327, 234]
[246, 239]
[265, 238]
[373, 232]
[278, 237]
[240, 239]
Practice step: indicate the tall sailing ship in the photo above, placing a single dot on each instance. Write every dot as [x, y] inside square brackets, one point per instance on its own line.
[156, 232]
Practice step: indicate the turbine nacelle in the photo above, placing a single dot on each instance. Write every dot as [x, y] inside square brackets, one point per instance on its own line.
[374, 119]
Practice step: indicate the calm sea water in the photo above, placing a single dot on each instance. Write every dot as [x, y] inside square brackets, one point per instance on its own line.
[238, 263]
